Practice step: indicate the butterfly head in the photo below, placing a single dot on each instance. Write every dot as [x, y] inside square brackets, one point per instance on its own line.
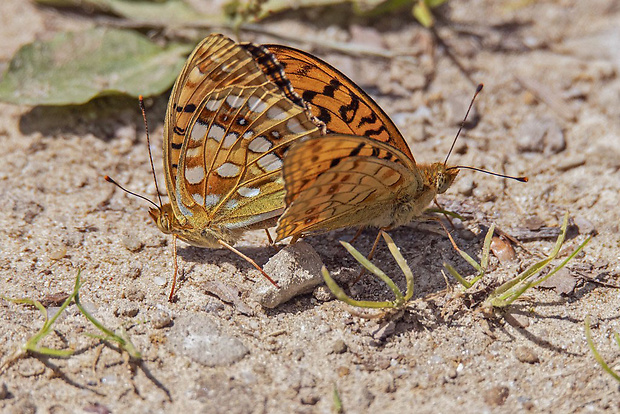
[441, 177]
[164, 218]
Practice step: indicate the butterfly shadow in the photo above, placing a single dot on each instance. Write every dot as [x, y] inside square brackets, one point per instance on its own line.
[102, 117]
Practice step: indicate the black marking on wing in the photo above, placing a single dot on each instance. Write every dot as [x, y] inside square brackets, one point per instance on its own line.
[347, 112]
[274, 70]
[329, 90]
[357, 150]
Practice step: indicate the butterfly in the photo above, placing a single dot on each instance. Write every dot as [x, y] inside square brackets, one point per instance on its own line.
[230, 118]
[368, 177]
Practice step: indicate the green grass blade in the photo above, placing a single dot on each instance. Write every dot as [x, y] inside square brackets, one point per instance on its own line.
[595, 353]
[402, 263]
[457, 276]
[338, 408]
[32, 345]
[341, 295]
[374, 269]
[486, 249]
[121, 339]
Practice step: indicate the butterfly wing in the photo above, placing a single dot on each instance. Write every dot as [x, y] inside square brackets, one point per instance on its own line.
[230, 163]
[342, 180]
[227, 126]
[334, 99]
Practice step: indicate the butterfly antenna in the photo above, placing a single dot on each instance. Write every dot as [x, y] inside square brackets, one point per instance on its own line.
[466, 167]
[148, 142]
[110, 180]
[471, 104]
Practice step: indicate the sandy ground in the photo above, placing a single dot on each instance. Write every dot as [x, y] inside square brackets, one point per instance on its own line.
[550, 110]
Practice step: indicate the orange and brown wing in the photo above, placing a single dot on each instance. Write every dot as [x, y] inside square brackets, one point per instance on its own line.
[334, 99]
[340, 181]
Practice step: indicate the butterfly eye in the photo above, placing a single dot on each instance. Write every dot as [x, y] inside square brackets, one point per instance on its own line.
[442, 183]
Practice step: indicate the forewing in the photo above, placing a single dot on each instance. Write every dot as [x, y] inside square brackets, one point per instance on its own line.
[216, 63]
[230, 162]
[339, 181]
[336, 100]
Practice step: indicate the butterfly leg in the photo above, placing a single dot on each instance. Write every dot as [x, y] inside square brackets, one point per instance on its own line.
[295, 238]
[359, 232]
[252, 262]
[371, 254]
[439, 206]
[269, 237]
[176, 267]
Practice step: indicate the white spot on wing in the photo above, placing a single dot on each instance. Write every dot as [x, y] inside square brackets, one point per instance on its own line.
[228, 169]
[255, 219]
[260, 144]
[184, 210]
[248, 191]
[213, 104]
[216, 132]
[230, 204]
[230, 139]
[276, 113]
[211, 200]
[198, 198]
[234, 101]
[195, 175]
[248, 134]
[193, 152]
[295, 127]
[270, 162]
[256, 104]
[198, 132]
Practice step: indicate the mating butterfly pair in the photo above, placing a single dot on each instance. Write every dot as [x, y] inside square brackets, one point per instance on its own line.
[256, 133]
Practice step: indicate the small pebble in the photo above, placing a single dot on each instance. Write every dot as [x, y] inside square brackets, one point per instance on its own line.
[308, 397]
[159, 280]
[496, 396]
[339, 347]
[161, 319]
[526, 354]
[24, 406]
[4, 392]
[466, 186]
[57, 251]
[126, 308]
[569, 163]
[562, 281]
[585, 226]
[132, 243]
[452, 374]
[385, 331]
[298, 354]
[517, 320]
[343, 371]
[297, 270]
[134, 294]
[323, 294]
[199, 338]
[134, 272]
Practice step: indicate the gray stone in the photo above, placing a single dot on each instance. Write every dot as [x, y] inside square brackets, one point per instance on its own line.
[199, 338]
[297, 270]
[541, 134]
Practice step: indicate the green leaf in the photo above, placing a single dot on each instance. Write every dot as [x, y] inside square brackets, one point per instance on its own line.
[75, 67]
[166, 12]
[423, 14]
